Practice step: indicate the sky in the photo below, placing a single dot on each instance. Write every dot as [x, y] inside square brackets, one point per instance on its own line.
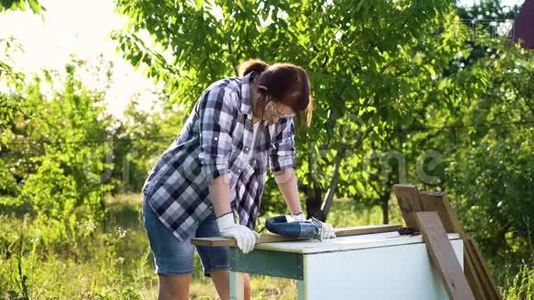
[82, 28]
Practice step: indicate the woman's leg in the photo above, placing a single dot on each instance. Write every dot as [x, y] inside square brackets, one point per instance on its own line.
[174, 287]
[173, 259]
[221, 280]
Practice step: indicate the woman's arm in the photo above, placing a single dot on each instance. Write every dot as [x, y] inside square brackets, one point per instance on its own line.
[217, 114]
[220, 195]
[287, 183]
[283, 165]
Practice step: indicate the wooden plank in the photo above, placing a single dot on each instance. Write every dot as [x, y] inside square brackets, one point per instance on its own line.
[443, 256]
[218, 241]
[487, 274]
[477, 271]
[483, 271]
[270, 238]
[370, 229]
[409, 202]
[471, 274]
[438, 202]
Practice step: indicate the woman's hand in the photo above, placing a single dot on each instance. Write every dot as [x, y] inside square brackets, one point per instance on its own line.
[244, 237]
[327, 231]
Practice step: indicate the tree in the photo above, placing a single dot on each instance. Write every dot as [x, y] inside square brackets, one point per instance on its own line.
[367, 62]
[34, 5]
[9, 77]
[489, 172]
[54, 155]
[11, 80]
[140, 139]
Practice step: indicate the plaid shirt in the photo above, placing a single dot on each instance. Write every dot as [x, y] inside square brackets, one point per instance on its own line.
[217, 140]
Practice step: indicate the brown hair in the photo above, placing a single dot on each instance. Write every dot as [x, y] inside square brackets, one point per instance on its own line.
[285, 82]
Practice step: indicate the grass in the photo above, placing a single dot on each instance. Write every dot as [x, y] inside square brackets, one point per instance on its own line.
[115, 261]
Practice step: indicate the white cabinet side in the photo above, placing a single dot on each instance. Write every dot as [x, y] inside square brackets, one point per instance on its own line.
[397, 272]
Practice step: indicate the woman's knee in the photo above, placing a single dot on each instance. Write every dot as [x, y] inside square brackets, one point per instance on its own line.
[174, 286]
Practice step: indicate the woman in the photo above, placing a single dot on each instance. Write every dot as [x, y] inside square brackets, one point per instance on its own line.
[216, 167]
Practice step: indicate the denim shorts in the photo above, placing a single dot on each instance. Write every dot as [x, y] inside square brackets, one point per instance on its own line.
[173, 257]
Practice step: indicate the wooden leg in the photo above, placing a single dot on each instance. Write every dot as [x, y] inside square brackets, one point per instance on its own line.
[301, 291]
[237, 286]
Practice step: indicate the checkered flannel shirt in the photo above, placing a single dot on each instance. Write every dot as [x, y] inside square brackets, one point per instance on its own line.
[217, 140]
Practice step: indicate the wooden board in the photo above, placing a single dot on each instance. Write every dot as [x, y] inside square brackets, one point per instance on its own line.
[482, 271]
[270, 238]
[471, 274]
[443, 256]
[438, 202]
[487, 275]
[409, 202]
[476, 269]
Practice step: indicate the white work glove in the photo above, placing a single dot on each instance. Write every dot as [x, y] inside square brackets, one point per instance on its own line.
[296, 217]
[244, 237]
[327, 231]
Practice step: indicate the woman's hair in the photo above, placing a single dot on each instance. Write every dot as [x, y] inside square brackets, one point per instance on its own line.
[286, 83]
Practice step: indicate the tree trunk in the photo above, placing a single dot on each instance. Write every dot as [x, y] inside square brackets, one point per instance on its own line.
[384, 204]
[313, 201]
[313, 193]
[333, 184]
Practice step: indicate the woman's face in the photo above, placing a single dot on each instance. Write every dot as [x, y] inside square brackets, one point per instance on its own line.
[274, 111]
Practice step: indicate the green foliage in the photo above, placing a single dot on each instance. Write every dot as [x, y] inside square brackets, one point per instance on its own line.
[11, 80]
[114, 264]
[139, 140]
[521, 286]
[364, 70]
[53, 158]
[405, 92]
[8, 183]
[22, 5]
[493, 161]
